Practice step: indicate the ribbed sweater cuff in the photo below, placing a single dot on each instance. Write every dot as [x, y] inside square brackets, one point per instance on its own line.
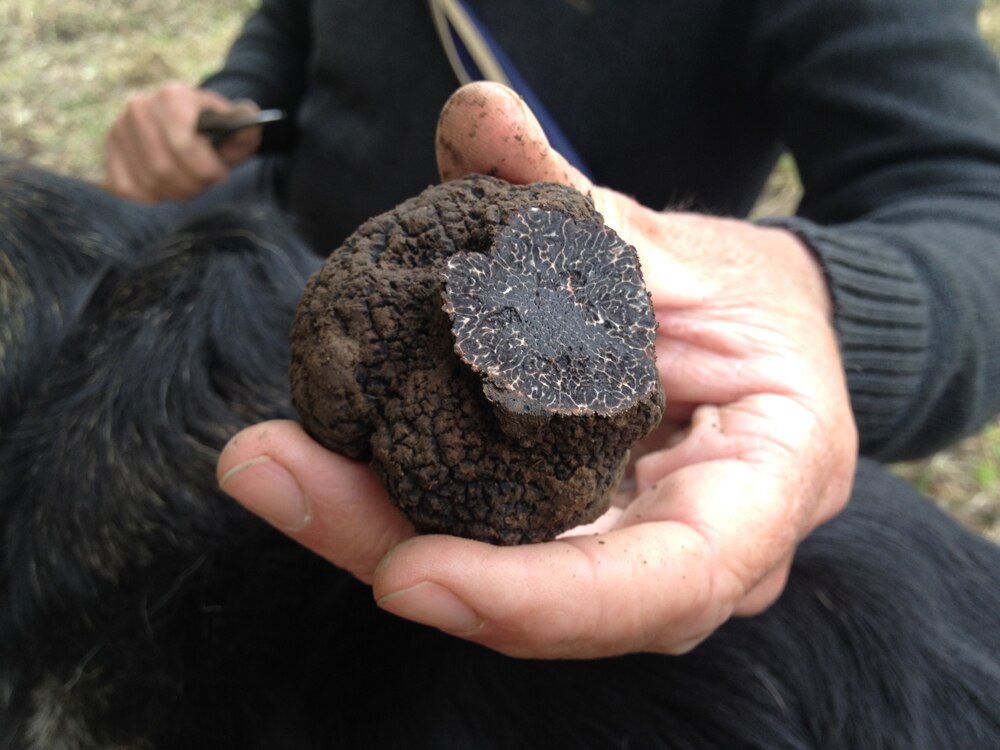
[882, 322]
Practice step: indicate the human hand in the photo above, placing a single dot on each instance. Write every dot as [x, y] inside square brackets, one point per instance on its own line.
[757, 447]
[153, 151]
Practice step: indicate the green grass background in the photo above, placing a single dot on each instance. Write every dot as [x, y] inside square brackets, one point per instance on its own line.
[67, 67]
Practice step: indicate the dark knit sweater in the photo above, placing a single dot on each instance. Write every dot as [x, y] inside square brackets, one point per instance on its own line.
[891, 109]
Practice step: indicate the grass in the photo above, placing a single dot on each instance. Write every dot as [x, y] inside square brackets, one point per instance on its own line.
[67, 67]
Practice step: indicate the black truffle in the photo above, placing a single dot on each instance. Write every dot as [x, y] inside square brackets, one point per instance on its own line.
[489, 348]
[555, 318]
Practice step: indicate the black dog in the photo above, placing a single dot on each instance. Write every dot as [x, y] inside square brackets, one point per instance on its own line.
[140, 608]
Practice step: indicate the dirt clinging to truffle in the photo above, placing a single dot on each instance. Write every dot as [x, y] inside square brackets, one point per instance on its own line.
[377, 372]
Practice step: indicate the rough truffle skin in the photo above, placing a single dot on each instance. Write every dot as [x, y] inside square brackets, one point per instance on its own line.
[377, 374]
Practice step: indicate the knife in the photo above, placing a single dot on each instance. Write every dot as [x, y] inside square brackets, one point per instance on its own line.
[218, 126]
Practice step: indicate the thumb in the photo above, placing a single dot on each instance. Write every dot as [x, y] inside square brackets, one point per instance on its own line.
[332, 505]
[486, 128]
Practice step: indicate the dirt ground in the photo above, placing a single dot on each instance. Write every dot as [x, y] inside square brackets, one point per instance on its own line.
[67, 66]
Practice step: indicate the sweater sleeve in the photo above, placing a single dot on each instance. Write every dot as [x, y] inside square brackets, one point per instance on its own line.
[892, 111]
[268, 63]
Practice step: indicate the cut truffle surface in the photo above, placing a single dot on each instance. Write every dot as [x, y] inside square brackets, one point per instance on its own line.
[489, 349]
[556, 317]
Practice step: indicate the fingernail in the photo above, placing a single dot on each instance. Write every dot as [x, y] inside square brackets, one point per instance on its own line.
[263, 486]
[432, 604]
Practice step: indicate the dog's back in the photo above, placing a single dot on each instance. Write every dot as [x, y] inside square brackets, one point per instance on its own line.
[141, 608]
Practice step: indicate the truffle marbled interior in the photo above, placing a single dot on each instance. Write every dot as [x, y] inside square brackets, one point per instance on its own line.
[555, 316]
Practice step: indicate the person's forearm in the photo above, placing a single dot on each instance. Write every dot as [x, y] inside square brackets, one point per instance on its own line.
[894, 118]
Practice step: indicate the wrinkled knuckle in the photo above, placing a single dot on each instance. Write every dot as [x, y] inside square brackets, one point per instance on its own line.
[739, 576]
[173, 90]
[136, 100]
[160, 171]
[112, 137]
[766, 593]
[181, 141]
[206, 172]
[529, 634]
[144, 181]
[158, 177]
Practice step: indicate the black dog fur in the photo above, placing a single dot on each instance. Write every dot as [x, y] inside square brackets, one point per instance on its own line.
[140, 608]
